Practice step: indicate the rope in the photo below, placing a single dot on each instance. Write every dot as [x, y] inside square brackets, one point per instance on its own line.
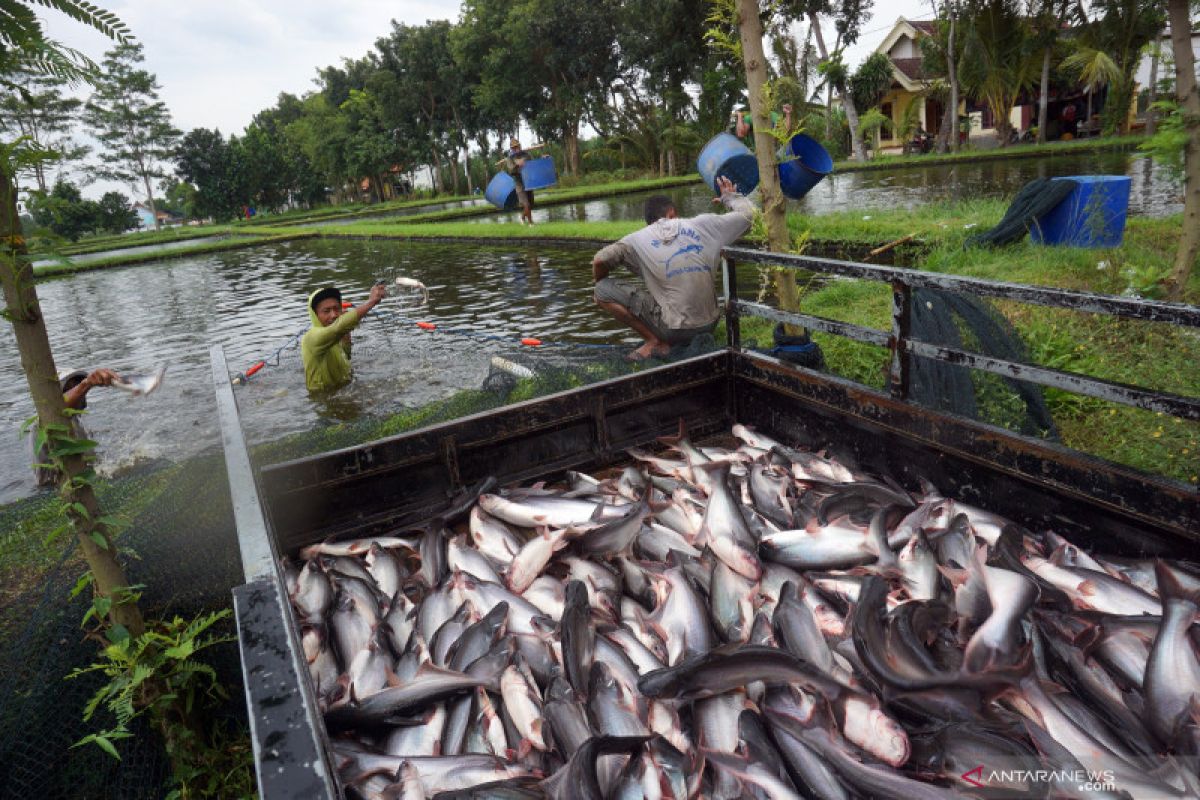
[293, 341]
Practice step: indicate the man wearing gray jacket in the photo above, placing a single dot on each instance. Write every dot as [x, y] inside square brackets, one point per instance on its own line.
[677, 258]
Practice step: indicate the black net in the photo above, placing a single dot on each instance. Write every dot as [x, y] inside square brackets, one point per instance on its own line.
[182, 542]
[181, 532]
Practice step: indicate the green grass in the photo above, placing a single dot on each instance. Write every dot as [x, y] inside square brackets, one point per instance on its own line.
[129, 259]
[346, 211]
[99, 244]
[1050, 149]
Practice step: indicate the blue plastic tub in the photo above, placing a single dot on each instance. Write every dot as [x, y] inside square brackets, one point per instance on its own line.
[538, 173]
[803, 163]
[1091, 216]
[726, 157]
[502, 192]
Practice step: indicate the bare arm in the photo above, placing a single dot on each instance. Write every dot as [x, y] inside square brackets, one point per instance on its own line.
[97, 377]
[730, 227]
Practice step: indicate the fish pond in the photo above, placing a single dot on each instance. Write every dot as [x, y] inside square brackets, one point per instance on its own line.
[251, 301]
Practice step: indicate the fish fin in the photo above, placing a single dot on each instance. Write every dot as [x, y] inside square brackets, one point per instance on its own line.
[1173, 582]
[392, 678]
[1087, 588]
[673, 441]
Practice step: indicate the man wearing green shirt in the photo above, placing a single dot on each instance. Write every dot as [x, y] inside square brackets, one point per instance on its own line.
[325, 348]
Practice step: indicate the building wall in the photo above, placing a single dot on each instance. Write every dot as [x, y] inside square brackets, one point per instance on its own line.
[145, 218]
[1142, 76]
[904, 47]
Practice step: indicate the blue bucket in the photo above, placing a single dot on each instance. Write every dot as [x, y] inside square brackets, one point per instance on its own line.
[803, 162]
[538, 173]
[726, 157]
[1091, 216]
[502, 192]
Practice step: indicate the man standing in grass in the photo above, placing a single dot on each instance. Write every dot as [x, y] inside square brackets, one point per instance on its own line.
[325, 347]
[677, 259]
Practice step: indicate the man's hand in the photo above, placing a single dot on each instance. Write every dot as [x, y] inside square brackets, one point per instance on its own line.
[378, 292]
[724, 187]
[100, 377]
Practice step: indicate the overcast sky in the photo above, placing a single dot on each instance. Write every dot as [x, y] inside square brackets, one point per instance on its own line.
[220, 62]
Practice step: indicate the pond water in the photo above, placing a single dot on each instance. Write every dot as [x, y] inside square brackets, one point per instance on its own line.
[252, 300]
[1151, 190]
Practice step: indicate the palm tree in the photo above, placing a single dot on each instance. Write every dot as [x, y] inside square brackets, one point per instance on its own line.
[24, 45]
[1000, 57]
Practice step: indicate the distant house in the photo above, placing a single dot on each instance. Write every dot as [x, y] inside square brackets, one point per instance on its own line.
[146, 217]
[909, 84]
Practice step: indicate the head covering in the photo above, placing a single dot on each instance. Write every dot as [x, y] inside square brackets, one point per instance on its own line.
[324, 294]
[68, 379]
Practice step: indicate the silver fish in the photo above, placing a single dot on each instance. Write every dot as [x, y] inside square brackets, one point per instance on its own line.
[1172, 682]
[493, 538]
[140, 384]
[725, 530]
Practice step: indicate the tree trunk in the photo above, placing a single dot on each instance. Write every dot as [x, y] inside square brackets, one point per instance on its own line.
[150, 200]
[571, 147]
[438, 186]
[37, 362]
[1044, 96]
[829, 112]
[671, 161]
[856, 143]
[1188, 97]
[773, 203]
[453, 160]
[1151, 114]
[952, 70]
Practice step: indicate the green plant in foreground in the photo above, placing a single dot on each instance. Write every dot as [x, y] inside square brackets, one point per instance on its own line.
[157, 676]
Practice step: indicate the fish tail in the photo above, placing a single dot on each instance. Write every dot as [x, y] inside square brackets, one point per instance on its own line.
[1175, 583]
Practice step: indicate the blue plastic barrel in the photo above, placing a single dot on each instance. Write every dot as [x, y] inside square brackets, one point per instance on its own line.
[726, 157]
[538, 173]
[803, 163]
[1091, 216]
[502, 192]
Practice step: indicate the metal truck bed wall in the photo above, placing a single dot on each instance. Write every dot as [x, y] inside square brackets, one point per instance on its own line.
[383, 485]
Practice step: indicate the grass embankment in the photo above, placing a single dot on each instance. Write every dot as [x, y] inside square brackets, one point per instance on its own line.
[1049, 150]
[349, 211]
[1152, 355]
[99, 244]
[129, 259]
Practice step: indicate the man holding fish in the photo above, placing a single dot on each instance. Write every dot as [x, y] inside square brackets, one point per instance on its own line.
[75, 386]
[676, 258]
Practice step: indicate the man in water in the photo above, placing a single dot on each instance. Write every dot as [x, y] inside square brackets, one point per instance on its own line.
[325, 347]
[677, 259]
[75, 386]
[515, 158]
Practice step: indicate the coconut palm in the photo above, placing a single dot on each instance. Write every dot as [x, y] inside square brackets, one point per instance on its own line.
[1000, 58]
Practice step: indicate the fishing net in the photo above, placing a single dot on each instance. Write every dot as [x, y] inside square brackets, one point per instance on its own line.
[969, 323]
[184, 550]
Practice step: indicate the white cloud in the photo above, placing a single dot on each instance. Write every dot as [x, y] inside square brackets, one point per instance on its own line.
[219, 62]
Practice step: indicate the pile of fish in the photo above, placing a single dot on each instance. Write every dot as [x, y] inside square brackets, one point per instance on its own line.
[752, 621]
